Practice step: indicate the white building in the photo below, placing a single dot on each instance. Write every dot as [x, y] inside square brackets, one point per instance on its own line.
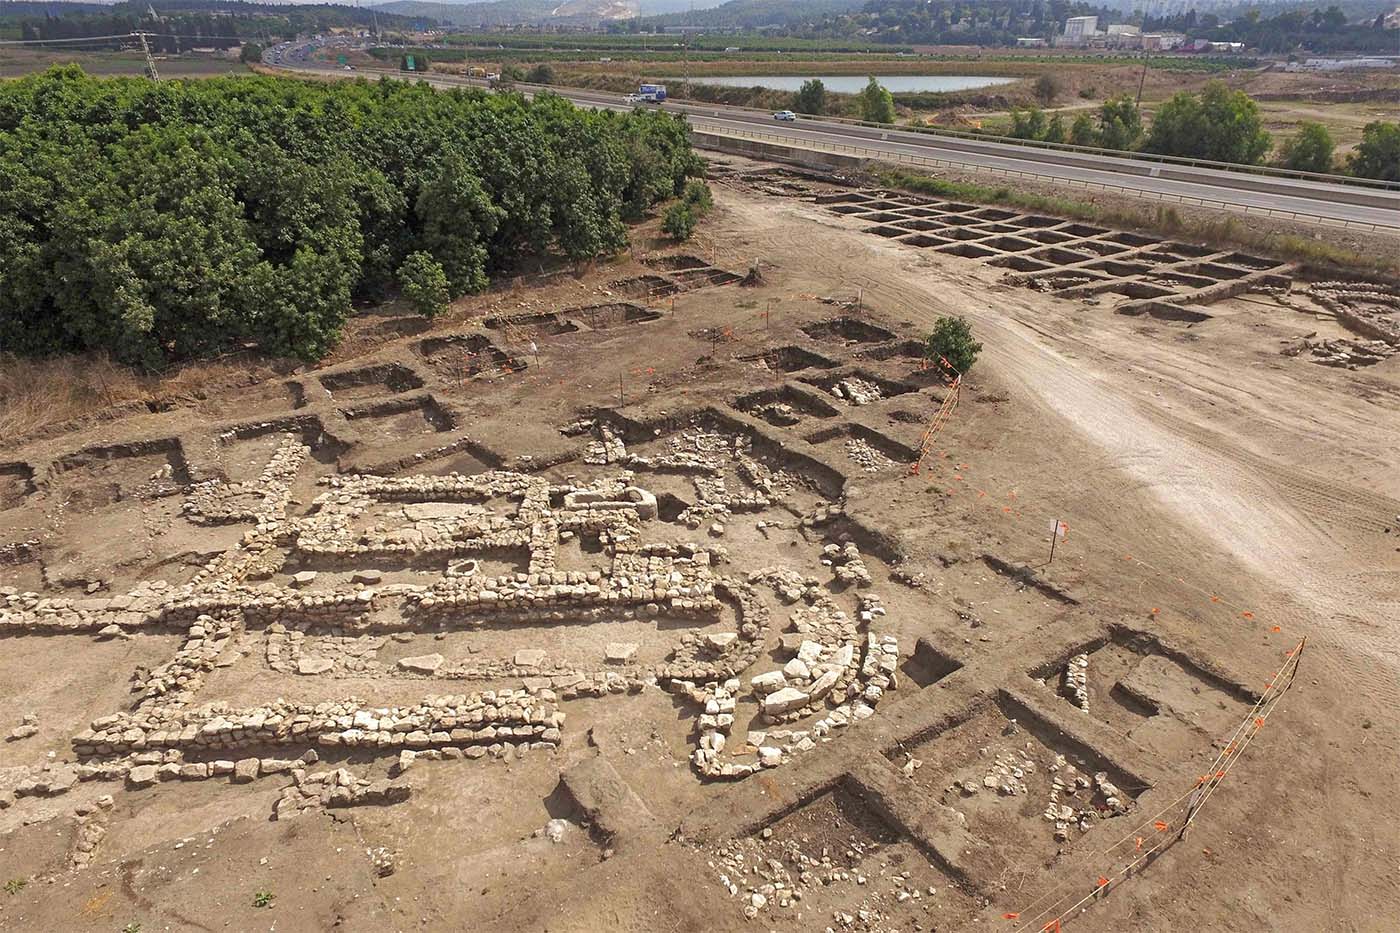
[1079, 29]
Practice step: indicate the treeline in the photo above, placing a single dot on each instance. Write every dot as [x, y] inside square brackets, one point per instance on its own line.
[1318, 31]
[931, 22]
[166, 221]
[196, 23]
[1219, 125]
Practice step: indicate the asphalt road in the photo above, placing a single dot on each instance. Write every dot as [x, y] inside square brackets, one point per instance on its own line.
[1322, 201]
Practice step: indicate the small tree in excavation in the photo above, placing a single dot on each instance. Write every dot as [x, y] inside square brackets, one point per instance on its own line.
[678, 222]
[697, 196]
[951, 345]
[810, 97]
[876, 103]
[1309, 151]
[424, 284]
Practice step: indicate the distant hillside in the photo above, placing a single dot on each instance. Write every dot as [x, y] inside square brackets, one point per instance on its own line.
[556, 12]
[752, 14]
[179, 25]
[489, 13]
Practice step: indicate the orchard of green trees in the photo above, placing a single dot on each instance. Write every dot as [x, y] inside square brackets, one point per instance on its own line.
[160, 222]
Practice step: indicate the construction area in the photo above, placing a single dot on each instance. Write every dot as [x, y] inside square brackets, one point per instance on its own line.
[685, 592]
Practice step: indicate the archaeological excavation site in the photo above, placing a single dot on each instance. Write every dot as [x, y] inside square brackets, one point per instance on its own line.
[692, 591]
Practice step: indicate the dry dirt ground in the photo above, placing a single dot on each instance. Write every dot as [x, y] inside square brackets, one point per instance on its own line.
[238, 579]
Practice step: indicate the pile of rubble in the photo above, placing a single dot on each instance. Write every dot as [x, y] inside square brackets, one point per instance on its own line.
[1104, 798]
[845, 561]
[1343, 352]
[338, 788]
[866, 457]
[767, 875]
[857, 391]
[1076, 681]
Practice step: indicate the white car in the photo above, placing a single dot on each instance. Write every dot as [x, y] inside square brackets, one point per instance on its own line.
[786, 115]
[633, 99]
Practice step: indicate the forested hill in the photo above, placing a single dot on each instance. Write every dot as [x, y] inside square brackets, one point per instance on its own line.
[205, 22]
[165, 221]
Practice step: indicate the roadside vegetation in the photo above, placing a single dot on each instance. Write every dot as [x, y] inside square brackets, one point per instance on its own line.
[1218, 124]
[163, 222]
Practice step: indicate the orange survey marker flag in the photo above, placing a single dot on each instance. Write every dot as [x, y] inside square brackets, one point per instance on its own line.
[1103, 882]
[1160, 825]
[1011, 916]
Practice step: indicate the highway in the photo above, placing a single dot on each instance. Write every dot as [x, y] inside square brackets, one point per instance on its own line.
[1311, 200]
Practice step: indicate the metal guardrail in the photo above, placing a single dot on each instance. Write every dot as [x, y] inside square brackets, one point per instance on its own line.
[798, 142]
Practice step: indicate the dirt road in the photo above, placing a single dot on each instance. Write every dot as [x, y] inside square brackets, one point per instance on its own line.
[1285, 467]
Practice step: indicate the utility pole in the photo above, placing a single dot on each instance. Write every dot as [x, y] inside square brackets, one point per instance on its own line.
[150, 61]
[1142, 79]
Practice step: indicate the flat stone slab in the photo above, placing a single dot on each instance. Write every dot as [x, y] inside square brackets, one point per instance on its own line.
[529, 657]
[312, 666]
[246, 770]
[141, 776]
[720, 640]
[781, 701]
[619, 652]
[768, 682]
[421, 664]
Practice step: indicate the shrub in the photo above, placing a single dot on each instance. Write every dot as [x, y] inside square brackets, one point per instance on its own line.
[1218, 124]
[1046, 89]
[1378, 153]
[250, 54]
[678, 222]
[876, 103]
[810, 97]
[1027, 124]
[1120, 123]
[1309, 151]
[951, 344]
[543, 73]
[424, 284]
[1082, 132]
[698, 196]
